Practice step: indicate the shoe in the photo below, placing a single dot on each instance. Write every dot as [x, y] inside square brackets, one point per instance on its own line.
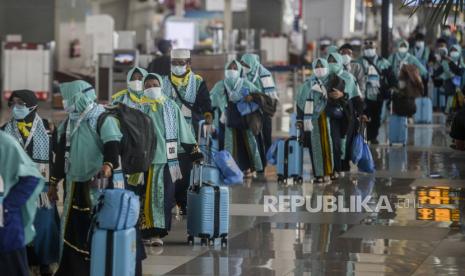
[334, 176]
[183, 211]
[156, 242]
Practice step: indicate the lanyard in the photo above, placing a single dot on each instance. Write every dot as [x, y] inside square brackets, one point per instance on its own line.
[69, 134]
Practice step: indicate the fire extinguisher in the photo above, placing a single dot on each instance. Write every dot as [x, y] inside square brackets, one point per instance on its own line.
[75, 48]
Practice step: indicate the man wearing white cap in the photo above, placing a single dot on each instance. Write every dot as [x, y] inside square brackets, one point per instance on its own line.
[191, 94]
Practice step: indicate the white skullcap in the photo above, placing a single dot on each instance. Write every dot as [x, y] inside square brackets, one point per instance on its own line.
[180, 54]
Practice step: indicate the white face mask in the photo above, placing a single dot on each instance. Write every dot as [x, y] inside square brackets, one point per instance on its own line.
[346, 59]
[178, 70]
[403, 50]
[246, 70]
[402, 84]
[369, 52]
[153, 93]
[67, 107]
[320, 72]
[231, 74]
[135, 85]
[420, 44]
[454, 54]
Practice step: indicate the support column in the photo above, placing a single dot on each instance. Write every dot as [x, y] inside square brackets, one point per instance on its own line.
[386, 27]
[179, 8]
[227, 24]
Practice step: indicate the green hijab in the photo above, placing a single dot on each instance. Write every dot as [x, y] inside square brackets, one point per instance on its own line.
[129, 76]
[234, 84]
[399, 43]
[15, 163]
[307, 85]
[253, 61]
[78, 93]
[337, 67]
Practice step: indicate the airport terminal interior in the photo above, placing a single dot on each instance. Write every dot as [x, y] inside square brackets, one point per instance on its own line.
[357, 169]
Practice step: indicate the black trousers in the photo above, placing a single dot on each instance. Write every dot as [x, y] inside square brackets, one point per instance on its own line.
[14, 263]
[373, 112]
[181, 186]
[336, 136]
[264, 139]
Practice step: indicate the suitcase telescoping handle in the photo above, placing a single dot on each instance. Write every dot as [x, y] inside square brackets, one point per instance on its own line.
[202, 132]
[197, 180]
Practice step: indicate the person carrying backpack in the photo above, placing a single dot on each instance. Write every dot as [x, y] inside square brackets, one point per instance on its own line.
[172, 132]
[378, 80]
[82, 154]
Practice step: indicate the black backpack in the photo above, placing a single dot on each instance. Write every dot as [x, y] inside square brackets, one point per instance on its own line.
[138, 142]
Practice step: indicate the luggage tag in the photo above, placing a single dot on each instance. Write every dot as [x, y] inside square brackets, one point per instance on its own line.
[118, 179]
[2, 190]
[44, 170]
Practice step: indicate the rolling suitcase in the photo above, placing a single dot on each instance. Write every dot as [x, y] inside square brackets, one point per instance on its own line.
[424, 114]
[113, 252]
[207, 210]
[398, 131]
[290, 160]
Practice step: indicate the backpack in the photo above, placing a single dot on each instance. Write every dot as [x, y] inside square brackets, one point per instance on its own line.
[403, 105]
[138, 142]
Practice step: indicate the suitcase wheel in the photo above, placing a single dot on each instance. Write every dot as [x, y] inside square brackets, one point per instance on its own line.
[282, 180]
[204, 241]
[224, 242]
[299, 180]
[190, 240]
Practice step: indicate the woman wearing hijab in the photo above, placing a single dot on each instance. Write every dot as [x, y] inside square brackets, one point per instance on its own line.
[172, 132]
[259, 76]
[312, 120]
[238, 140]
[32, 133]
[402, 56]
[20, 187]
[343, 109]
[452, 73]
[133, 94]
[82, 154]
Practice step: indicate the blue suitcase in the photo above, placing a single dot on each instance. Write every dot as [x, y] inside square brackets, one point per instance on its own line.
[424, 114]
[113, 252]
[207, 210]
[290, 160]
[398, 131]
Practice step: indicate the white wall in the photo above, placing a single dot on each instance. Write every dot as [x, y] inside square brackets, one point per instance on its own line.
[323, 18]
[327, 18]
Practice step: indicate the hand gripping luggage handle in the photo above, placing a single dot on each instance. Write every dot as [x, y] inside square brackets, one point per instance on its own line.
[201, 130]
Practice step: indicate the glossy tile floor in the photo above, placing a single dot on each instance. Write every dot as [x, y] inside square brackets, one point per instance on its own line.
[424, 235]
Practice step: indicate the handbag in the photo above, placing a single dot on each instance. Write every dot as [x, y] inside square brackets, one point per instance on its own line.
[403, 105]
[357, 145]
[232, 174]
[271, 157]
[117, 209]
[364, 158]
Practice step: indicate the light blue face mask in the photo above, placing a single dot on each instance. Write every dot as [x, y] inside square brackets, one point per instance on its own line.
[20, 112]
[178, 70]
